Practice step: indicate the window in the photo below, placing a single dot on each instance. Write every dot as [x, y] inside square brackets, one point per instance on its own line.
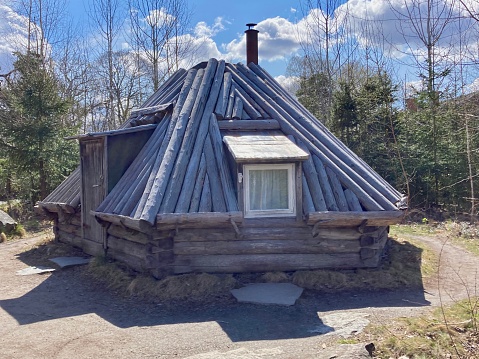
[269, 190]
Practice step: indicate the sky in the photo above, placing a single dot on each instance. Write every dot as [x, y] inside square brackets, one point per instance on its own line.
[218, 27]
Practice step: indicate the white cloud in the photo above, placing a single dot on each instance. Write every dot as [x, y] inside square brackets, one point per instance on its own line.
[203, 30]
[276, 40]
[13, 35]
[289, 83]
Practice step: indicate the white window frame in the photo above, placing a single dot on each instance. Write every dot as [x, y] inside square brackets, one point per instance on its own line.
[290, 211]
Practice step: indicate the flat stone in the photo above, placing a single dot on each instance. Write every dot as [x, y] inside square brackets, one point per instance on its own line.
[268, 293]
[35, 270]
[344, 324]
[64, 262]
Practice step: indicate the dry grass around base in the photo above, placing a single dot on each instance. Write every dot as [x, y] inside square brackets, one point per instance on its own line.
[187, 287]
[450, 332]
[406, 263]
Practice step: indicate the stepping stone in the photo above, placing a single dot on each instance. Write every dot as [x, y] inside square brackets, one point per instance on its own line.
[35, 270]
[268, 293]
[65, 262]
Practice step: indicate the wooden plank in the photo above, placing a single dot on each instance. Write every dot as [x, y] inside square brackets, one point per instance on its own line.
[239, 247]
[248, 107]
[350, 219]
[249, 125]
[264, 262]
[167, 221]
[263, 148]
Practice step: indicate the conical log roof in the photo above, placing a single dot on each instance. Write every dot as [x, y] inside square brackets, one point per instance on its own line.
[183, 167]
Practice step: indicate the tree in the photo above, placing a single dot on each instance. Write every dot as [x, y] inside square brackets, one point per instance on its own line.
[157, 26]
[33, 126]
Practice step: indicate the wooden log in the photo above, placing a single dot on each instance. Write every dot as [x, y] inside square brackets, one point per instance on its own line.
[237, 109]
[176, 77]
[222, 103]
[249, 125]
[184, 199]
[69, 238]
[128, 233]
[308, 205]
[138, 264]
[198, 189]
[291, 246]
[168, 221]
[264, 262]
[201, 113]
[184, 93]
[223, 168]
[206, 202]
[159, 178]
[302, 128]
[70, 228]
[331, 236]
[250, 110]
[133, 182]
[353, 202]
[354, 219]
[151, 110]
[124, 221]
[231, 102]
[217, 192]
[116, 199]
[246, 97]
[312, 179]
[392, 194]
[337, 190]
[325, 185]
[126, 246]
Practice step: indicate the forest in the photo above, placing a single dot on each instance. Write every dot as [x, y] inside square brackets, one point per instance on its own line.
[422, 136]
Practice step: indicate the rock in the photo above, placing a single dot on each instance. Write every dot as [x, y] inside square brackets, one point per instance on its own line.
[7, 223]
[268, 293]
[345, 351]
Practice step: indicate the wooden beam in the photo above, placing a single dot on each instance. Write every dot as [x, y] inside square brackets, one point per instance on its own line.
[249, 125]
[353, 219]
[169, 221]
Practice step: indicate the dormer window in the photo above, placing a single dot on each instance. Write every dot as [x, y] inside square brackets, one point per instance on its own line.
[268, 164]
[269, 190]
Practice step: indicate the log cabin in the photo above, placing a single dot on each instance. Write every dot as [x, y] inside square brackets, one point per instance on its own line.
[222, 171]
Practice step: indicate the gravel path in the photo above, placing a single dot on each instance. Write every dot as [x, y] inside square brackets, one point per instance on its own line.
[61, 315]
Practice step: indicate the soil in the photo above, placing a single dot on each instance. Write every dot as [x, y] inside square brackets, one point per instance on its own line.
[63, 315]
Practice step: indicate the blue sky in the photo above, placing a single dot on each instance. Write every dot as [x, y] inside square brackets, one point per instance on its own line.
[217, 28]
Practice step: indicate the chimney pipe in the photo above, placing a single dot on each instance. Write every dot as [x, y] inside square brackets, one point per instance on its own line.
[251, 44]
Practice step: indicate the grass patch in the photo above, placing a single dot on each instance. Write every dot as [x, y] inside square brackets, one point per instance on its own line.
[192, 287]
[451, 332]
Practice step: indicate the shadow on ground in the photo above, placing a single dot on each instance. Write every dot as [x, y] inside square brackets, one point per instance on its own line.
[69, 292]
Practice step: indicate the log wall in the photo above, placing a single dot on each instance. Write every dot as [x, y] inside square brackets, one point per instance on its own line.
[231, 247]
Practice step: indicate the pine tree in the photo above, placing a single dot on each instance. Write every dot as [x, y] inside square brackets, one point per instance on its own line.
[33, 125]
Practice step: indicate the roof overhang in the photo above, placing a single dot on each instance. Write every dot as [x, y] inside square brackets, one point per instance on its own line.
[263, 147]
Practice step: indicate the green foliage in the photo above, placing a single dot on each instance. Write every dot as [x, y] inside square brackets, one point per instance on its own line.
[33, 124]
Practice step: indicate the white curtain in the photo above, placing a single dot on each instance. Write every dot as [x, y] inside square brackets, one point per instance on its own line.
[268, 189]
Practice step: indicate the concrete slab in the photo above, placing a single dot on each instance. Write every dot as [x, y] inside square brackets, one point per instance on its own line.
[65, 262]
[268, 293]
[35, 270]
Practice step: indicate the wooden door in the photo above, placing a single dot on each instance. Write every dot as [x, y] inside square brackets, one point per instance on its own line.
[92, 152]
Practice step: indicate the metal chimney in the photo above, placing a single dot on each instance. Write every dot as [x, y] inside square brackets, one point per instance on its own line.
[251, 44]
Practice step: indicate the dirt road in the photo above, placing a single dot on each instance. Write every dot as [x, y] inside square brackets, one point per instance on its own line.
[61, 315]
